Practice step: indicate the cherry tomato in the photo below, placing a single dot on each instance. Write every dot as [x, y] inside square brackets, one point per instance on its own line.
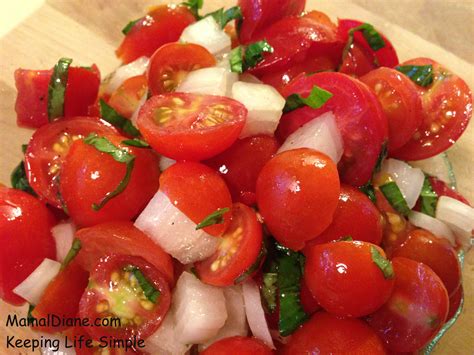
[455, 302]
[171, 62]
[291, 189]
[400, 101]
[126, 99]
[81, 90]
[190, 126]
[442, 189]
[238, 250]
[359, 118]
[116, 290]
[309, 303]
[416, 310]
[325, 333]
[121, 238]
[241, 163]
[25, 233]
[49, 146]
[437, 253]
[358, 61]
[244, 345]
[197, 191]
[163, 24]
[447, 109]
[87, 175]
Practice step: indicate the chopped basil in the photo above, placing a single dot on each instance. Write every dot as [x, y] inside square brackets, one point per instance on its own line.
[235, 60]
[129, 26]
[57, 88]
[24, 147]
[373, 38]
[250, 58]
[19, 180]
[269, 290]
[421, 75]
[383, 263]
[29, 315]
[383, 154]
[254, 267]
[71, 254]
[429, 198]
[216, 217]
[150, 292]
[346, 238]
[317, 98]
[224, 17]
[369, 190]
[394, 196]
[115, 119]
[136, 142]
[194, 6]
[120, 155]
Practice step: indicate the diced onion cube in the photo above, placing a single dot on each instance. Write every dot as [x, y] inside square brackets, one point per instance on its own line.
[458, 216]
[432, 225]
[127, 71]
[63, 234]
[210, 81]
[209, 34]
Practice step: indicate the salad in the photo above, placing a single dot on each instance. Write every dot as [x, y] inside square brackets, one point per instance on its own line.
[254, 180]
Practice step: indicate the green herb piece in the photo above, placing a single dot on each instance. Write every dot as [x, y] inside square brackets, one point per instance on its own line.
[71, 254]
[57, 88]
[129, 26]
[150, 292]
[29, 316]
[369, 190]
[254, 267]
[270, 290]
[236, 61]
[194, 6]
[383, 263]
[383, 154]
[224, 17]
[395, 197]
[24, 147]
[120, 155]
[373, 38]
[115, 119]
[317, 98]
[136, 142]
[346, 238]
[429, 198]
[254, 53]
[216, 217]
[421, 75]
[19, 180]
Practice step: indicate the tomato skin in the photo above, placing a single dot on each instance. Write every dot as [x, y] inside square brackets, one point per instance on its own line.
[81, 90]
[121, 237]
[87, 175]
[416, 310]
[248, 231]
[197, 191]
[245, 346]
[25, 227]
[163, 24]
[309, 303]
[454, 302]
[291, 188]
[325, 333]
[126, 98]
[240, 165]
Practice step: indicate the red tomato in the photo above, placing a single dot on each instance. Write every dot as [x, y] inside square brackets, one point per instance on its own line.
[416, 310]
[238, 250]
[87, 175]
[163, 24]
[357, 62]
[400, 101]
[171, 62]
[353, 206]
[291, 189]
[25, 233]
[241, 163]
[447, 109]
[115, 291]
[49, 146]
[81, 90]
[197, 191]
[335, 272]
[437, 253]
[359, 118]
[244, 346]
[309, 303]
[126, 98]
[455, 302]
[121, 238]
[442, 189]
[325, 333]
[191, 126]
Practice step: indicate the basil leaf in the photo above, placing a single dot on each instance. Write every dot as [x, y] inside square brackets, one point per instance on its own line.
[129, 26]
[254, 53]
[373, 38]
[254, 267]
[194, 6]
[383, 263]
[236, 60]
[135, 142]
[346, 238]
[57, 88]
[115, 119]
[224, 17]
[151, 293]
[71, 254]
[270, 290]
[369, 190]
[421, 75]
[24, 147]
[394, 196]
[29, 315]
[19, 180]
[382, 156]
[317, 98]
[429, 198]
[216, 217]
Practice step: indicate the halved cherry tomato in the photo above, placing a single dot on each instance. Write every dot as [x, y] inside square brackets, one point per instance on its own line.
[25, 235]
[291, 190]
[447, 109]
[325, 333]
[442, 189]
[171, 62]
[400, 101]
[116, 291]
[48, 148]
[121, 238]
[416, 310]
[81, 90]
[437, 253]
[197, 191]
[126, 98]
[87, 175]
[241, 163]
[243, 345]
[359, 118]
[163, 24]
[238, 250]
[190, 126]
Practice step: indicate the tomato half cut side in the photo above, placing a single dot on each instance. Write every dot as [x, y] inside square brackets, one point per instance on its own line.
[126, 98]
[49, 146]
[189, 126]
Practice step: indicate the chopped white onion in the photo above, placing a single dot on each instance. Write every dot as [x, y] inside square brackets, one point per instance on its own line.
[63, 234]
[165, 163]
[137, 67]
[255, 313]
[249, 78]
[264, 105]
[409, 180]
[210, 81]
[200, 310]
[321, 134]
[55, 344]
[135, 113]
[209, 34]
[438, 166]
[32, 288]
[171, 229]
[458, 216]
[432, 225]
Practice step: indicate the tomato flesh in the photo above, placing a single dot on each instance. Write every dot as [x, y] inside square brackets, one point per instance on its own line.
[126, 99]
[82, 89]
[245, 346]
